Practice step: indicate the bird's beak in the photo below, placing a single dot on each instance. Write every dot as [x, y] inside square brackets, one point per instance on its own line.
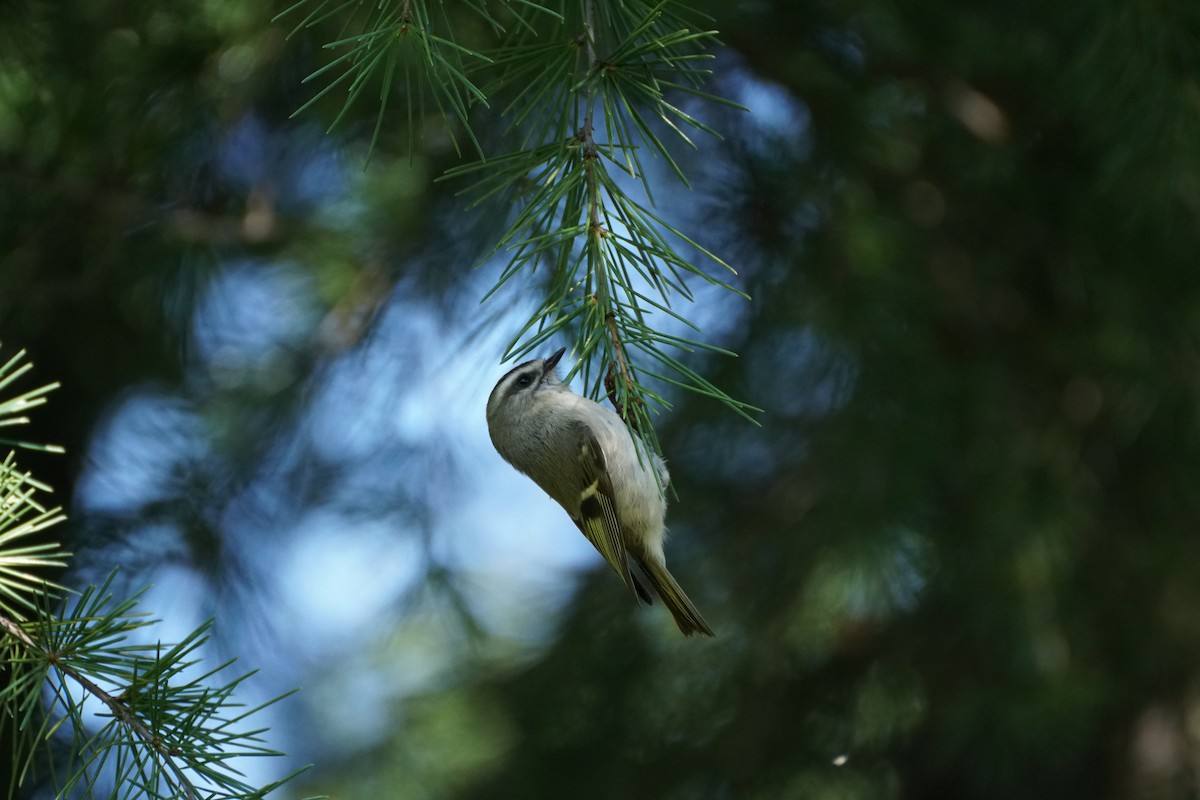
[550, 363]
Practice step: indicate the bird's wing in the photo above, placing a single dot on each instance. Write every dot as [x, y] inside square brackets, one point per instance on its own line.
[598, 513]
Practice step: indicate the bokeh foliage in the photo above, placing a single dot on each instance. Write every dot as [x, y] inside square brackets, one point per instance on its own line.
[960, 557]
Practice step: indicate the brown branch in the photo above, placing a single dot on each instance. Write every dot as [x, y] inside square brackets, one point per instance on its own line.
[596, 230]
[622, 367]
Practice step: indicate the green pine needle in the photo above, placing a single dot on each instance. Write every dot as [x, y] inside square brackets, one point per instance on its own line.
[87, 697]
[168, 730]
[590, 91]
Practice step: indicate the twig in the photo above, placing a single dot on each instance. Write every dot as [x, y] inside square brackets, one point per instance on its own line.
[610, 378]
[596, 231]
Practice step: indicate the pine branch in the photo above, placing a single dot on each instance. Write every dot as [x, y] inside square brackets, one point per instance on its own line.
[24, 566]
[596, 232]
[12, 409]
[588, 89]
[115, 705]
[162, 726]
[172, 736]
[396, 39]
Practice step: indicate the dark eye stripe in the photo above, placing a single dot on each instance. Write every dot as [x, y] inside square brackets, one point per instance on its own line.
[522, 380]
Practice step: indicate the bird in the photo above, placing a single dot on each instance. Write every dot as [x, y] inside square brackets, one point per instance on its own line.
[610, 483]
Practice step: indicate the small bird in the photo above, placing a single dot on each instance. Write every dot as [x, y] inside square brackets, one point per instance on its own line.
[583, 456]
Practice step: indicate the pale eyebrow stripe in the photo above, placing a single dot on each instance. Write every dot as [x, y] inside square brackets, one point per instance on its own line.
[512, 387]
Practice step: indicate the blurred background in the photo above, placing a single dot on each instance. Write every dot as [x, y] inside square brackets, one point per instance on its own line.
[960, 558]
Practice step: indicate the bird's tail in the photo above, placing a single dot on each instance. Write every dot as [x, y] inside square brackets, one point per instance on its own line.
[686, 616]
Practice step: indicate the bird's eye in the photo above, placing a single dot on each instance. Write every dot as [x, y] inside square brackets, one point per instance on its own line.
[524, 381]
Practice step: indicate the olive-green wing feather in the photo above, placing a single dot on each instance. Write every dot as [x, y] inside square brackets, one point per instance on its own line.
[598, 513]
